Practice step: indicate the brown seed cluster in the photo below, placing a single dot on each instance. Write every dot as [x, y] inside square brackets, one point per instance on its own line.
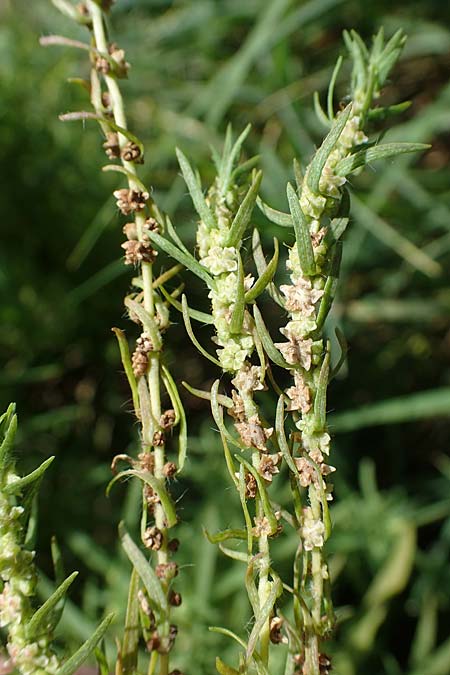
[129, 200]
[166, 571]
[102, 65]
[167, 419]
[131, 152]
[153, 538]
[139, 359]
[276, 636]
[111, 145]
[268, 466]
[175, 598]
[169, 469]
[137, 252]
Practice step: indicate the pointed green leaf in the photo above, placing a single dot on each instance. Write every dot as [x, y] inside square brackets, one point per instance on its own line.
[250, 584]
[344, 349]
[224, 535]
[261, 266]
[180, 415]
[39, 622]
[233, 554]
[218, 415]
[66, 8]
[102, 661]
[336, 229]
[281, 436]
[157, 485]
[237, 315]
[331, 285]
[190, 332]
[148, 322]
[269, 347]
[242, 488]
[244, 214]
[320, 400]
[173, 235]
[383, 113]
[185, 259]
[330, 95]
[345, 166]
[319, 160]
[144, 569]
[229, 160]
[266, 611]
[20, 483]
[225, 401]
[302, 234]
[320, 113]
[195, 191]
[262, 491]
[276, 217]
[74, 662]
[126, 362]
[118, 168]
[130, 642]
[265, 278]
[8, 429]
[202, 317]
[222, 668]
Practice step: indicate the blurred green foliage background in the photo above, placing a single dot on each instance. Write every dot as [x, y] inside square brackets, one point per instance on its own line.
[197, 64]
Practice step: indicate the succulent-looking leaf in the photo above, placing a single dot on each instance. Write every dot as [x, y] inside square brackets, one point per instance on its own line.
[74, 662]
[266, 504]
[225, 401]
[146, 573]
[180, 415]
[224, 535]
[126, 362]
[195, 191]
[265, 278]
[190, 332]
[270, 349]
[319, 160]
[345, 166]
[261, 266]
[18, 485]
[130, 642]
[244, 213]
[237, 315]
[302, 234]
[276, 217]
[185, 259]
[39, 622]
[148, 322]
[157, 485]
[265, 612]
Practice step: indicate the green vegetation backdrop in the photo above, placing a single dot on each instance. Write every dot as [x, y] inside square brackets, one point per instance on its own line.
[197, 64]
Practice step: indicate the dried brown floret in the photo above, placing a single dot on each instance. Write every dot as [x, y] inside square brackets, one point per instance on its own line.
[158, 439]
[276, 636]
[130, 230]
[251, 486]
[169, 469]
[153, 538]
[138, 251]
[111, 145]
[167, 419]
[173, 545]
[131, 152]
[129, 200]
[175, 598]
[166, 570]
[102, 65]
[268, 466]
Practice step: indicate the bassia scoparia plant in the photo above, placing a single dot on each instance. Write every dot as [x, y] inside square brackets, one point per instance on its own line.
[292, 617]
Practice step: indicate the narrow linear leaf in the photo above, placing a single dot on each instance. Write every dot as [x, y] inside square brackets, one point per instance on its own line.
[74, 662]
[66, 8]
[190, 332]
[185, 259]
[270, 349]
[266, 504]
[330, 288]
[60, 40]
[245, 167]
[302, 234]
[265, 278]
[264, 615]
[330, 95]
[20, 483]
[318, 162]
[230, 159]
[195, 314]
[228, 633]
[237, 316]
[180, 416]
[261, 266]
[130, 642]
[224, 535]
[248, 521]
[165, 276]
[9, 428]
[147, 321]
[251, 586]
[337, 228]
[345, 166]
[144, 569]
[195, 191]
[39, 622]
[58, 566]
[225, 401]
[118, 168]
[244, 214]
[383, 113]
[320, 112]
[156, 485]
[86, 115]
[218, 415]
[320, 401]
[126, 362]
[276, 217]
[102, 661]
[281, 436]
[221, 666]
[343, 355]
[173, 235]
[233, 554]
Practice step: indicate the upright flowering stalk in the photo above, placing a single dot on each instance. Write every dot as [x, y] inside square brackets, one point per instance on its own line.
[319, 215]
[151, 593]
[29, 631]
